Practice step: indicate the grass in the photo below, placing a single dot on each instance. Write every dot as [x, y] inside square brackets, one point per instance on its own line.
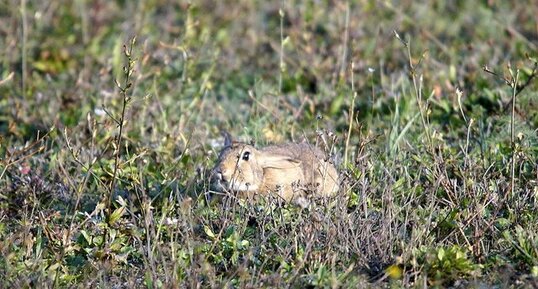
[429, 110]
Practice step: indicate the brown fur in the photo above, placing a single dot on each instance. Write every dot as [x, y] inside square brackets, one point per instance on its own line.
[290, 170]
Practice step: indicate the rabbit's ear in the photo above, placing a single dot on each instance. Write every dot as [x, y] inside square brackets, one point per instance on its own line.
[278, 162]
[227, 138]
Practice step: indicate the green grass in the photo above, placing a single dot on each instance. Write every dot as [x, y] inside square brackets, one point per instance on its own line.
[439, 188]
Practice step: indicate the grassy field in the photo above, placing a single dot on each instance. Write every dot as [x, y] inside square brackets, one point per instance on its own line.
[428, 108]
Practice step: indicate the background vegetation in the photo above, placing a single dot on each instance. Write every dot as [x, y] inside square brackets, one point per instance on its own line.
[106, 143]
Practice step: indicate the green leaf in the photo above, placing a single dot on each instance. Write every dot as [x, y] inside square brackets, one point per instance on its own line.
[534, 271]
[116, 215]
[244, 244]
[86, 236]
[441, 254]
[208, 232]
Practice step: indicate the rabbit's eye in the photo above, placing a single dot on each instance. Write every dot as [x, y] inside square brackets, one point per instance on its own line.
[246, 155]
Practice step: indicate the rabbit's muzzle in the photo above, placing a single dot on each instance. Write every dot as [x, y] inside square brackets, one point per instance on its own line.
[218, 181]
[226, 181]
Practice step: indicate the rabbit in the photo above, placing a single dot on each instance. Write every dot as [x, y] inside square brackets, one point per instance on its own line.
[291, 170]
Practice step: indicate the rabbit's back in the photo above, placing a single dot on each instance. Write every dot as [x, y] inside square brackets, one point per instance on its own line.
[298, 151]
[316, 168]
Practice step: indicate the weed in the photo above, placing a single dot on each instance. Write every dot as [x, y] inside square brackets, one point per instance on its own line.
[108, 186]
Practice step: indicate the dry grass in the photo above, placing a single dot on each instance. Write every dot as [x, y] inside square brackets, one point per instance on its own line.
[429, 110]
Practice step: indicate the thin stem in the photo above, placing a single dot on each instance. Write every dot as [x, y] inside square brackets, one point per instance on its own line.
[512, 132]
[121, 123]
[351, 114]
[345, 44]
[24, 43]
[281, 63]
[373, 91]
[84, 20]
[418, 92]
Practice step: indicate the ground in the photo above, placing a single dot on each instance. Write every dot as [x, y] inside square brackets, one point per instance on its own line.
[111, 114]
